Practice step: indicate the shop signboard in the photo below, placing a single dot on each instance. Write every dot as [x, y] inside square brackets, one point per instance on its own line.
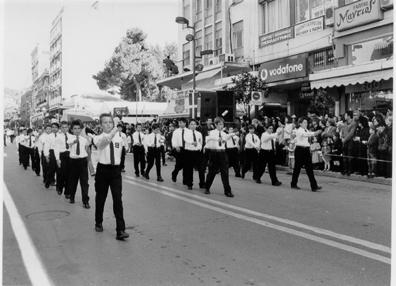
[309, 27]
[357, 14]
[121, 111]
[306, 92]
[283, 69]
[276, 37]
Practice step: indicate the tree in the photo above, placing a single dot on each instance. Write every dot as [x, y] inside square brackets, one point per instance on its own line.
[135, 66]
[242, 85]
[321, 102]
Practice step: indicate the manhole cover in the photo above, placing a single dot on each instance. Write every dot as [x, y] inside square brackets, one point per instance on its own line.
[47, 215]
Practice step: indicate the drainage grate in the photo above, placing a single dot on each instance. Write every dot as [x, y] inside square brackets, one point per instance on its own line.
[48, 215]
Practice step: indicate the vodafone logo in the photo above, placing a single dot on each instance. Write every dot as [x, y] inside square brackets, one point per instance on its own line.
[283, 69]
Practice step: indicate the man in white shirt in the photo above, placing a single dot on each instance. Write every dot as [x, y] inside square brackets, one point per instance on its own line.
[37, 152]
[232, 149]
[179, 144]
[302, 155]
[108, 174]
[18, 139]
[217, 157]
[252, 148]
[152, 144]
[138, 150]
[23, 140]
[62, 156]
[43, 147]
[267, 155]
[194, 157]
[50, 155]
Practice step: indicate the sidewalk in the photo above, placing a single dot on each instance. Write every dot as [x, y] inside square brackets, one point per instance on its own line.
[352, 177]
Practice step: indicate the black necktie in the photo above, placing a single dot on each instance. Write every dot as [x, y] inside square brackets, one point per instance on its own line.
[140, 138]
[233, 141]
[183, 143]
[272, 145]
[220, 138]
[194, 138]
[30, 141]
[253, 138]
[55, 135]
[67, 146]
[111, 153]
[155, 140]
[78, 146]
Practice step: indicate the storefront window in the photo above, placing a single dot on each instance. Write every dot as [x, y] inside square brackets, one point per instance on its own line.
[186, 54]
[310, 9]
[276, 15]
[377, 49]
[379, 101]
[218, 39]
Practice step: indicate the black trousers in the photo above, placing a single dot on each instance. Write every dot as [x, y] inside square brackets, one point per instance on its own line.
[122, 162]
[251, 156]
[218, 161]
[36, 161]
[44, 164]
[52, 167]
[20, 153]
[25, 155]
[138, 159]
[78, 172]
[302, 156]
[109, 176]
[194, 159]
[348, 152]
[63, 172]
[162, 149]
[267, 157]
[233, 160]
[154, 155]
[180, 162]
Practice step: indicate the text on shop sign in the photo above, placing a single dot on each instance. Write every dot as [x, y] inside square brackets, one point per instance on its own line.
[283, 69]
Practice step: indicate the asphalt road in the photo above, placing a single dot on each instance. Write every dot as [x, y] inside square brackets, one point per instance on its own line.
[265, 235]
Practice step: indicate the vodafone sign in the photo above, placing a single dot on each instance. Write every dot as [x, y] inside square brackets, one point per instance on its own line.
[283, 69]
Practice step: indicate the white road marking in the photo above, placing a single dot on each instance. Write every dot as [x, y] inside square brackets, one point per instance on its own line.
[269, 225]
[33, 265]
[318, 230]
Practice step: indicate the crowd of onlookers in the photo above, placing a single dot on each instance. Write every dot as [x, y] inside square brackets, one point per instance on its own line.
[357, 142]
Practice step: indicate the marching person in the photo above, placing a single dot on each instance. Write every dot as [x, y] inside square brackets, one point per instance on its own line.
[179, 143]
[252, 147]
[78, 152]
[303, 156]
[108, 174]
[52, 165]
[232, 150]
[62, 152]
[24, 147]
[152, 144]
[18, 139]
[37, 152]
[267, 155]
[44, 150]
[30, 142]
[120, 127]
[193, 155]
[138, 150]
[217, 157]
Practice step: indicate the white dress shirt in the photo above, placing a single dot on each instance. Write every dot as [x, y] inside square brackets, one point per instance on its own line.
[102, 142]
[60, 144]
[189, 138]
[73, 147]
[302, 136]
[252, 141]
[27, 141]
[40, 143]
[152, 140]
[233, 142]
[213, 140]
[177, 137]
[135, 138]
[47, 143]
[266, 139]
[124, 137]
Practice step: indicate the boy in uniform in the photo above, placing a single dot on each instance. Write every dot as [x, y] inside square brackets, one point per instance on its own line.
[152, 144]
[232, 150]
[138, 150]
[62, 152]
[252, 147]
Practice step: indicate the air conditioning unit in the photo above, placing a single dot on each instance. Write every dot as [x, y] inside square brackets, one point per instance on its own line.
[226, 58]
[214, 61]
[329, 16]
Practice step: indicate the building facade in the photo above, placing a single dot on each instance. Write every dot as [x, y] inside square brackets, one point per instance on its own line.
[26, 107]
[295, 46]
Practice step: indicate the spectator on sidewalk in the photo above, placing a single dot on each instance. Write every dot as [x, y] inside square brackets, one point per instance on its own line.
[347, 134]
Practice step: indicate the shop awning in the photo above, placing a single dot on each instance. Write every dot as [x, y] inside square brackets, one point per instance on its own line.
[207, 74]
[176, 81]
[350, 75]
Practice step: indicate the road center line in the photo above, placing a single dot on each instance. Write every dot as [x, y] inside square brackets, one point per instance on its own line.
[318, 230]
[315, 238]
[33, 265]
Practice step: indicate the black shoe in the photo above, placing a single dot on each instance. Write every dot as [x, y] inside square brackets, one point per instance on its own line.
[164, 164]
[173, 178]
[159, 179]
[238, 175]
[122, 235]
[258, 181]
[146, 176]
[59, 191]
[86, 206]
[202, 186]
[142, 174]
[38, 175]
[295, 187]
[123, 170]
[47, 185]
[67, 197]
[316, 189]
[189, 187]
[207, 192]
[229, 194]
[243, 176]
[98, 228]
[72, 201]
[277, 184]
[53, 184]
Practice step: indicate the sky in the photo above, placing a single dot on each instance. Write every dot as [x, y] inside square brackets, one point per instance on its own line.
[28, 22]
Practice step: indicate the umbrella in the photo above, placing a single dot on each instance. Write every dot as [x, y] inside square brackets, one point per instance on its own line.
[84, 116]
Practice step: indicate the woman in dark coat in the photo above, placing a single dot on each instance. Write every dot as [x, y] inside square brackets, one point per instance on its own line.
[362, 135]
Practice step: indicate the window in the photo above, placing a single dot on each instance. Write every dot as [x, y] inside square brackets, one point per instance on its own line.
[198, 43]
[309, 9]
[208, 7]
[218, 39]
[198, 10]
[276, 15]
[237, 35]
[209, 38]
[186, 9]
[186, 54]
[217, 6]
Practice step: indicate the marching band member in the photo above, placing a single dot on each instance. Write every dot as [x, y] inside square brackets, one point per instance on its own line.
[252, 147]
[62, 152]
[232, 150]
[138, 150]
[179, 143]
[52, 164]
[152, 144]
[44, 148]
